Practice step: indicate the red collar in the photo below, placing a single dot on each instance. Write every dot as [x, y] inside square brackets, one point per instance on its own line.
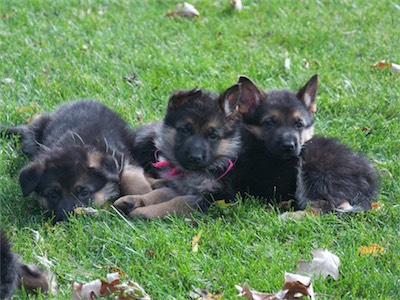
[175, 171]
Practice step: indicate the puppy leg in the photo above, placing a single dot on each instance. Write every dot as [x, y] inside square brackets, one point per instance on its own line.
[128, 203]
[134, 181]
[181, 205]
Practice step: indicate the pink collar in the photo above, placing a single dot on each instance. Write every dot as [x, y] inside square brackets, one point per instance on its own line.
[175, 171]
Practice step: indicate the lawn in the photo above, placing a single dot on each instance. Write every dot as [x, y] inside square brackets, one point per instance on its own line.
[129, 55]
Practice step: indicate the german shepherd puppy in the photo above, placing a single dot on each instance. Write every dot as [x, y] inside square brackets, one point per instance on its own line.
[282, 160]
[196, 146]
[15, 273]
[80, 155]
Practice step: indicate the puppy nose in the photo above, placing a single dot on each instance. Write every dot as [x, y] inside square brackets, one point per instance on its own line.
[195, 157]
[288, 145]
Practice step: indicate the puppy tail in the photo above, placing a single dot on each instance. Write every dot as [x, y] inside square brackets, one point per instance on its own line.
[15, 273]
[20, 130]
[9, 268]
[34, 279]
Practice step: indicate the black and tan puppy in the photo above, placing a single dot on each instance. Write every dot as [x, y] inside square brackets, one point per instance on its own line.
[282, 160]
[196, 147]
[80, 155]
[15, 273]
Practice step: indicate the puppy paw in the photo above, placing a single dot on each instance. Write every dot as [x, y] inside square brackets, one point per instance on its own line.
[159, 183]
[142, 213]
[127, 204]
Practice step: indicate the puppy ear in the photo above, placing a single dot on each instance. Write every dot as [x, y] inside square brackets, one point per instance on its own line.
[228, 100]
[308, 94]
[30, 176]
[104, 165]
[179, 98]
[250, 95]
[109, 167]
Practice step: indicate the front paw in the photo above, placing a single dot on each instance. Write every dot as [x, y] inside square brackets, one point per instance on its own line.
[127, 204]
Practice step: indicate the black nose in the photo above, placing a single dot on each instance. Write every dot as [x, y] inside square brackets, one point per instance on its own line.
[195, 157]
[288, 146]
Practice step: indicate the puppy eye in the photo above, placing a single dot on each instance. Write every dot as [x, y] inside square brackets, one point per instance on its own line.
[53, 195]
[212, 134]
[185, 129]
[269, 122]
[82, 192]
[299, 125]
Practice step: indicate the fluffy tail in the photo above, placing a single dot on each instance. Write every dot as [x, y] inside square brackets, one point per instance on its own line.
[9, 268]
[15, 273]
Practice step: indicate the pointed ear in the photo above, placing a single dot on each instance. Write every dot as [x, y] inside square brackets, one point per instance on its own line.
[104, 165]
[308, 94]
[179, 98]
[250, 95]
[30, 176]
[228, 100]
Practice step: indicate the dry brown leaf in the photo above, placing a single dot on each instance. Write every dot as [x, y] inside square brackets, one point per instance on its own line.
[376, 205]
[371, 249]
[101, 288]
[244, 291]
[298, 284]
[384, 65]
[324, 263]
[195, 241]
[184, 10]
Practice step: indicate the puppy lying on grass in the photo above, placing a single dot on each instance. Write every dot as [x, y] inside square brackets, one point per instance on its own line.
[81, 154]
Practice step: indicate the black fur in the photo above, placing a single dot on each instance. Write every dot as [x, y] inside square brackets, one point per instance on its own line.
[10, 268]
[199, 139]
[79, 153]
[15, 273]
[283, 162]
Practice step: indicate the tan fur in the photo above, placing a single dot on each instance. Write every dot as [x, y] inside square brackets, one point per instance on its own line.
[94, 159]
[223, 147]
[100, 197]
[134, 182]
[181, 205]
[256, 130]
[154, 197]
[308, 134]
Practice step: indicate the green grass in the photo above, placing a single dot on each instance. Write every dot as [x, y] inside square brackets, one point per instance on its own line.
[55, 51]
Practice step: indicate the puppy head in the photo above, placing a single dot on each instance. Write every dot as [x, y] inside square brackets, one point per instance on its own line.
[65, 178]
[281, 120]
[199, 129]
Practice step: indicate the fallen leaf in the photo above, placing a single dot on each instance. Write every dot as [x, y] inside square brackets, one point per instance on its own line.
[150, 253]
[371, 249]
[90, 211]
[376, 205]
[184, 10]
[384, 65]
[287, 63]
[116, 270]
[297, 284]
[195, 241]
[244, 291]
[132, 291]
[236, 4]
[192, 222]
[293, 215]
[324, 263]
[200, 294]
